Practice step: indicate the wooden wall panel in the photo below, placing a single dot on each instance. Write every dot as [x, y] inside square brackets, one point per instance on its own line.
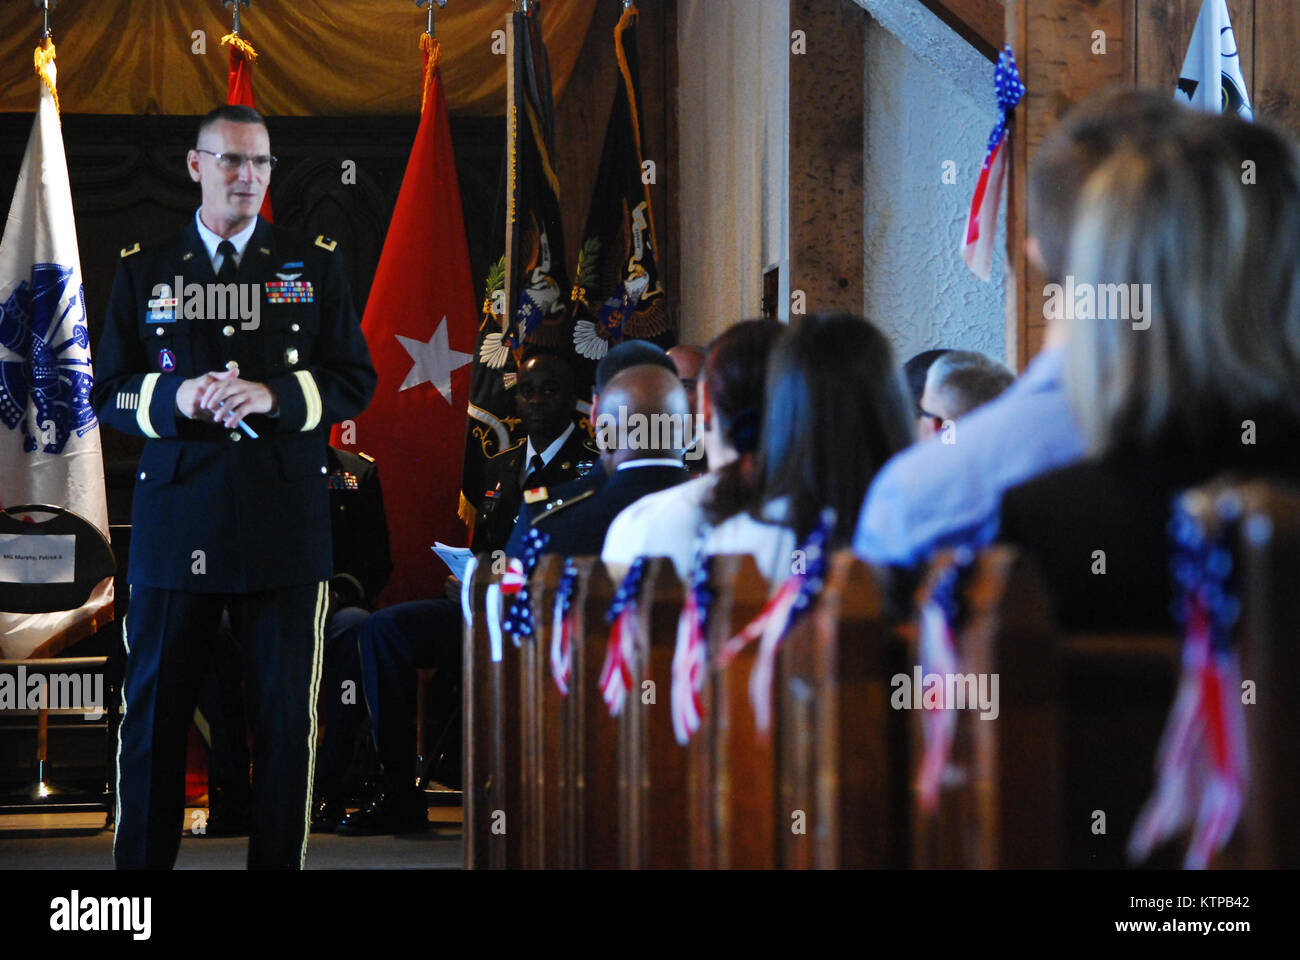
[1276, 88]
[827, 111]
[1147, 41]
[1054, 45]
[1164, 29]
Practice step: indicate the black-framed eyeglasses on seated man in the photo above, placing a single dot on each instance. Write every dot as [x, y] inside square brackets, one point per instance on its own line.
[236, 161]
[938, 420]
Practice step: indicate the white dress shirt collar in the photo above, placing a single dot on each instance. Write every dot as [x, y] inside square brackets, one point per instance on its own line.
[211, 241]
[549, 453]
[651, 462]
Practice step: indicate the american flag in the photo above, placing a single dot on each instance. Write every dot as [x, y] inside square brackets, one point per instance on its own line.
[982, 222]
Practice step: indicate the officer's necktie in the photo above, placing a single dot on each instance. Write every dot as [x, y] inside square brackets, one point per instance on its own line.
[227, 272]
[534, 465]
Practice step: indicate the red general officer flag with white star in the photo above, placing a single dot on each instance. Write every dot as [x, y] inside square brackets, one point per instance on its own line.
[420, 323]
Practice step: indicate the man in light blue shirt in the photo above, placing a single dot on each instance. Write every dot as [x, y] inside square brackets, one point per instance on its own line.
[940, 494]
[936, 494]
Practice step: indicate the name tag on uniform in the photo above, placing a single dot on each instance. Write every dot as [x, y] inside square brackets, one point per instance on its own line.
[162, 310]
[289, 291]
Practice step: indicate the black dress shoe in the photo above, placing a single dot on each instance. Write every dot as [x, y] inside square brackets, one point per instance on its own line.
[224, 822]
[388, 813]
[230, 812]
[326, 816]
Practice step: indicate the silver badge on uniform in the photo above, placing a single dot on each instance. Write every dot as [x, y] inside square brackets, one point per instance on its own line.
[291, 356]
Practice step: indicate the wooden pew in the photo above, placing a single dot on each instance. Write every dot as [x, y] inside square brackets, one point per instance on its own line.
[483, 748]
[1267, 558]
[654, 823]
[547, 735]
[595, 745]
[841, 749]
[733, 784]
[1001, 795]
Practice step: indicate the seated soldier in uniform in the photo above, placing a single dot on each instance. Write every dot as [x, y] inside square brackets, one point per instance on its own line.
[427, 633]
[640, 455]
[629, 353]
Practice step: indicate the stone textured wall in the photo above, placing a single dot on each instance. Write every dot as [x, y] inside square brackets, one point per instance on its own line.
[918, 115]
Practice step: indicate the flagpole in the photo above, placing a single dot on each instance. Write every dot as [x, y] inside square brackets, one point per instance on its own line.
[429, 3]
[45, 6]
[235, 28]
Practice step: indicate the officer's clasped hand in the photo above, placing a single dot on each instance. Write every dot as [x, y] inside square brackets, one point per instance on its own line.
[222, 397]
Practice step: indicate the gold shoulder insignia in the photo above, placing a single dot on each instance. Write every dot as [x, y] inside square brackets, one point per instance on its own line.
[555, 506]
[365, 456]
[188, 256]
[264, 251]
[326, 243]
[127, 251]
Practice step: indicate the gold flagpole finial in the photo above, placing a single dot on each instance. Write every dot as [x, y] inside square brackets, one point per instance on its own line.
[45, 7]
[235, 29]
[429, 4]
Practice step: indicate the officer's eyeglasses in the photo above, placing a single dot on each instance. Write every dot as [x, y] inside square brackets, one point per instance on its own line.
[230, 162]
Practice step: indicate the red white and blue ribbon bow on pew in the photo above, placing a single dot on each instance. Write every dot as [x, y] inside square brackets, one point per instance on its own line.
[1202, 764]
[616, 675]
[518, 620]
[939, 617]
[982, 222]
[562, 629]
[793, 599]
[690, 655]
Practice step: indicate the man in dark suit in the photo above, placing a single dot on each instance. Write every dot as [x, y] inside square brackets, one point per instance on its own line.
[427, 633]
[629, 353]
[232, 347]
[640, 451]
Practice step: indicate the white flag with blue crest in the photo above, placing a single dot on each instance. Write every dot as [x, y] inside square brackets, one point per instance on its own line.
[49, 436]
[1211, 78]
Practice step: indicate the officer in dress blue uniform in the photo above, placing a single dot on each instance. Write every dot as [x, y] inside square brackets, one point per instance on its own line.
[232, 347]
[427, 633]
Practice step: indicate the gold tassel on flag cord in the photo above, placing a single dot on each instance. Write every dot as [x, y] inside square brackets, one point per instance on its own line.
[44, 59]
[433, 57]
[240, 44]
[630, 13]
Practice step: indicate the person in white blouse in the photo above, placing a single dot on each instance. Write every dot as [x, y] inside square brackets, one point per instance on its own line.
[836, 409]
[730, 402]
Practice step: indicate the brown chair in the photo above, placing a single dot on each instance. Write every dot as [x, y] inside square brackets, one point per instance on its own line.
[93, 563]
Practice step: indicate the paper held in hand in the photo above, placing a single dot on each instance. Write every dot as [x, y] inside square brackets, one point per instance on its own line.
[456, 558]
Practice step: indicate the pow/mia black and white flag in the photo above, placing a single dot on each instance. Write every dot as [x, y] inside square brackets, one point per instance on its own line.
[1211, 78]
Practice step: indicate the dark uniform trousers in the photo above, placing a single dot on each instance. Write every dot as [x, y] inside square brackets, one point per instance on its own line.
[169, 636]
[224, 520]
[427, 633]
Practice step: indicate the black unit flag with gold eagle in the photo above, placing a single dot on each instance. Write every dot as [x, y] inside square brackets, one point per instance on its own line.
[617, 294]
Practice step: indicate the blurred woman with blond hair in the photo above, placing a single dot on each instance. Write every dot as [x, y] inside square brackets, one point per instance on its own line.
[1201, 376]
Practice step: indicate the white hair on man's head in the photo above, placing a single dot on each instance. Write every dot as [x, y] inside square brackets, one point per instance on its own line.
[961, 380]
